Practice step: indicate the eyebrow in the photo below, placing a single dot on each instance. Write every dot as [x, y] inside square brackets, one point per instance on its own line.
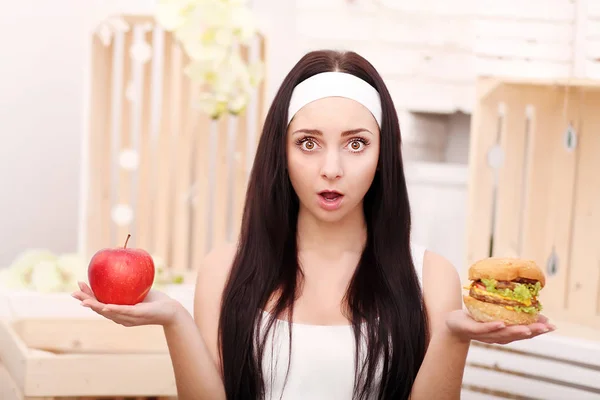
[317, 132]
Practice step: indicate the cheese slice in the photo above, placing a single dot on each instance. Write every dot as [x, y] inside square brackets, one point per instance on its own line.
[499, 296]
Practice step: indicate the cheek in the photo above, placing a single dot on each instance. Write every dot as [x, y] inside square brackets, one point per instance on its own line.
[299, 171]
[359, 172]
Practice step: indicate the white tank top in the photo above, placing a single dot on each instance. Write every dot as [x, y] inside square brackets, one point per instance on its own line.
[322, 366]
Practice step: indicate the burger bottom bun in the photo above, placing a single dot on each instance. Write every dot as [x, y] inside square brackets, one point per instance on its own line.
[488, 312]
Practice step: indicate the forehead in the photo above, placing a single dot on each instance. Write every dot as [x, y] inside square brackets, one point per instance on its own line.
[334, 114]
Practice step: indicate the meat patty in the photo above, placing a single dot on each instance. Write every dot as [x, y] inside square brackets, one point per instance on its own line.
[491, 299]
[496, 300]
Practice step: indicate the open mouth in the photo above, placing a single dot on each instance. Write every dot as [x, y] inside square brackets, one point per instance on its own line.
[330, 195]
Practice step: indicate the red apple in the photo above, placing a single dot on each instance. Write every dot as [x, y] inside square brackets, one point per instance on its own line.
[121, 275]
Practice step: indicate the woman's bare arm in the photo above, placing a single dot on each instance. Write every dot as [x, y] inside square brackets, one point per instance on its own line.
[193, 341]
[196, 374]
[440, 375]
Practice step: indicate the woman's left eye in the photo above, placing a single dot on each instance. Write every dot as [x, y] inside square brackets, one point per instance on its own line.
[357, 145]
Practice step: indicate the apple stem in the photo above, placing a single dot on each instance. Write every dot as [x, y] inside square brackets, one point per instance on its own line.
[127, 240]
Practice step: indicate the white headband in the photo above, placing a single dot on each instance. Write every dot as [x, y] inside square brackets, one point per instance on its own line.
[335, 84]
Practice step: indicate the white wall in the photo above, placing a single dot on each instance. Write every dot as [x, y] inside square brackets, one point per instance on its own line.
[41, 77]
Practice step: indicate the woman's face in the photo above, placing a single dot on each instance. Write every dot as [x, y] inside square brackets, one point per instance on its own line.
[332, 152]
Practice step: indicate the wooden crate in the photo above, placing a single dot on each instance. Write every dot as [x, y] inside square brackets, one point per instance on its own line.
[551, 367]
[543, 201]
[185, 193]
[83, 358]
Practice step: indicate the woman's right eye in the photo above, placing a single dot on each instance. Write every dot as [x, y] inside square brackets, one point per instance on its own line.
[307, 144]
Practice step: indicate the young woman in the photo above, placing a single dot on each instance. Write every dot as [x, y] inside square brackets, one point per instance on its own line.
[323, 296]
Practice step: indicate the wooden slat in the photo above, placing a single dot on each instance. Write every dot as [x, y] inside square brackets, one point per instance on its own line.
[124, 177]
[558, 192]
[13, 354]
[44, 374]
[549, 370]
[98, 226]
[519, 385]
[535, 222]
[219, 210]
[536, 10]
[182, 129]
[89, 336]
[240, 172]
[162, 227]
[522, 49]
[8, 387]
[583, 298]
[521, 68]
[202, 154]
[509, 194]
[100, 375]
[484, 127]
[239, 176]
[144, 212]
[524, 30]
[474, 393]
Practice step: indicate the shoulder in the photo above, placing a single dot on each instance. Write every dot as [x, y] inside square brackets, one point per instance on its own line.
[212, 274]
[442, 289]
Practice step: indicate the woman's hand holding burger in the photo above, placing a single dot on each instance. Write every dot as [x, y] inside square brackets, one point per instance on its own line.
[502, 305]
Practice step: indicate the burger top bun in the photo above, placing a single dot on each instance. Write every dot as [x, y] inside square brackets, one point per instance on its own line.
[506, 269]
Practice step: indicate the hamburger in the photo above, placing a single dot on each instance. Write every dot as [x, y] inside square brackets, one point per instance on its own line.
[505, 289]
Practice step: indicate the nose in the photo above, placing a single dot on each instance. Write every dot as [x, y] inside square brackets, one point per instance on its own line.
[332, 166]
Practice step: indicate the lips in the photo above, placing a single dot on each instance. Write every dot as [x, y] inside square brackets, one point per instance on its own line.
[330, 200]
[330, 195]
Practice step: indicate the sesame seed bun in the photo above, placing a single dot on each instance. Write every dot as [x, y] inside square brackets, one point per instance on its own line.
[506, 269]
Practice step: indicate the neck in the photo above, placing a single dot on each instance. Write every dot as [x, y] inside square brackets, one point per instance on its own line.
[331, 238]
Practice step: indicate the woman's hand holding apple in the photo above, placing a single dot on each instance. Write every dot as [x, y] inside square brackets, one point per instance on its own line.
[156, 309]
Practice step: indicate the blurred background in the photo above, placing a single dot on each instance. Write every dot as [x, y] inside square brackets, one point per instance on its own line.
[102, 136]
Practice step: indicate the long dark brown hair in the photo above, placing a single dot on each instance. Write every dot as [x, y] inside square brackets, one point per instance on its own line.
[384, 294]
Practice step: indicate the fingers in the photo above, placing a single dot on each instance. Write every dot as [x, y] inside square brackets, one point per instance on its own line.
[94, 304]
[81, 296]
[129, 311]
[123, 315]
[514, 333]
[463, 323]
[85, 289]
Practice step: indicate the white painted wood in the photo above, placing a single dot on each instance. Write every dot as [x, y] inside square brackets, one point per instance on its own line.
[537, 10]
[592, 69]
[523, 386]
[521, 68]
[519, 48]
[534, 365]
[427, 95]
[592, 47]
[542, 10]
[523, 30]
[564, 347]
[353, 26]
[470, 395]
[593, 29]
[425, 30]
[432, 7]
[593, 10]
[336, 5]
[580, 21]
